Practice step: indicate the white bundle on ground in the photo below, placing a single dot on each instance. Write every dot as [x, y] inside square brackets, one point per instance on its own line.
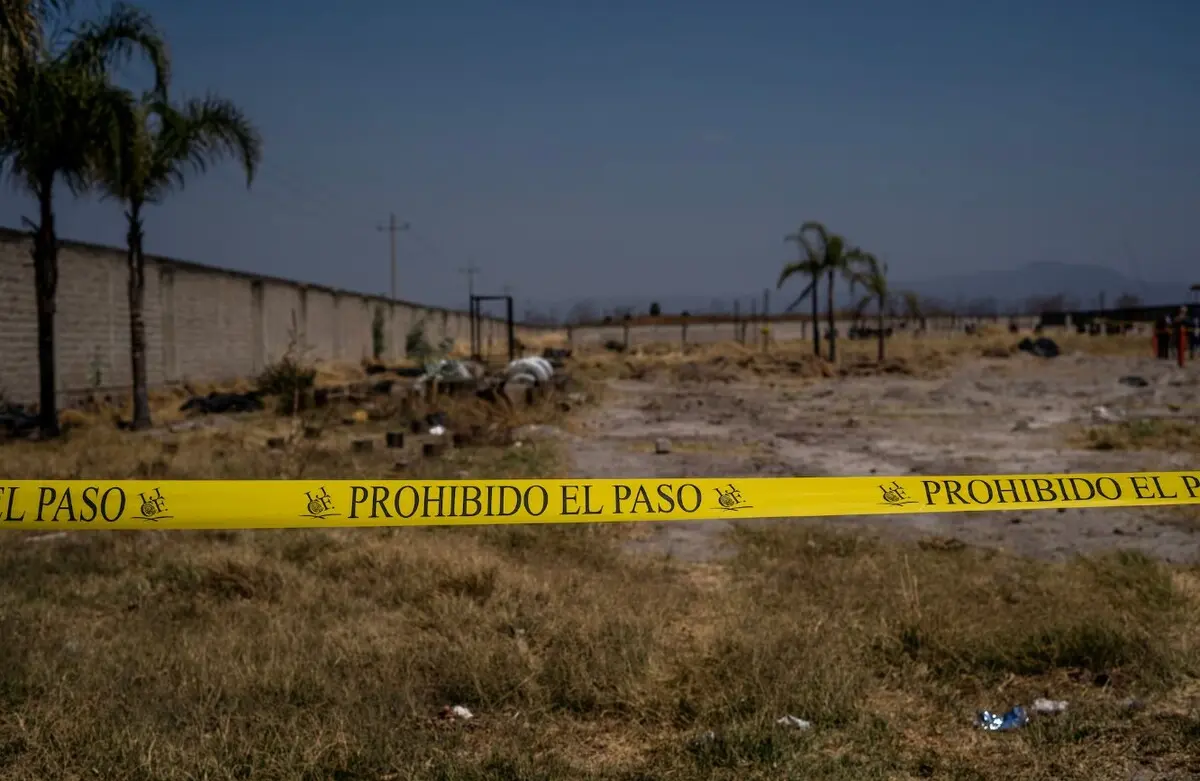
[529, 371]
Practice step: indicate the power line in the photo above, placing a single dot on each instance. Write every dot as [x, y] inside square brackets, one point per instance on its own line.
[471, 270]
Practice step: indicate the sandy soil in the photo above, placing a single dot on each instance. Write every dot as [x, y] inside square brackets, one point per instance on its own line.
[986, 416]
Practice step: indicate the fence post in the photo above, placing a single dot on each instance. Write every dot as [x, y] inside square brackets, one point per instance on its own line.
[766, 325]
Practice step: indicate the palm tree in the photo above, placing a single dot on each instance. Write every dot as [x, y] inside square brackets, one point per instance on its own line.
[810, 266]
[836, 260]
[167, 144]
[871, 275]
[60, 110]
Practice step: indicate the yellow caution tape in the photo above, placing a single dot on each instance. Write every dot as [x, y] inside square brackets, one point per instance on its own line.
[280, 504]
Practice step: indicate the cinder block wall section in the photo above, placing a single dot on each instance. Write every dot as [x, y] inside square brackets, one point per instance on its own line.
[203, 324]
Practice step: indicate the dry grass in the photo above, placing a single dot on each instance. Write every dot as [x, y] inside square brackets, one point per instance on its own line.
[1162, 434]
[730, 361]
[329, 654]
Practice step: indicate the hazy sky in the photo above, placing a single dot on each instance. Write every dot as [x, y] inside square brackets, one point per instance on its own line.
[603, 148]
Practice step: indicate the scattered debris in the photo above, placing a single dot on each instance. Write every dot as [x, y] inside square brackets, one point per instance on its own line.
[557, 356]
[792, 721]
[16, 420]
[395, 439]
[1040, 347]
[433, 449]
[1102, 414]
[1134, 381]
[996, 722]
[662, 446]
[362, 445]
[219, 403]
[1042, 705]
[456, 713]
[45, 537]
[529, 371]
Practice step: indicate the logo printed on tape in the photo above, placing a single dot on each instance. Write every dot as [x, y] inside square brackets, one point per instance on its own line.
[320, 505]
[895, 496]
[154, 507]
[731, 500]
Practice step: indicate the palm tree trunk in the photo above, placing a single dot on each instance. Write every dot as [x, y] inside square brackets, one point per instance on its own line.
[832, 323]
[881, 339]
[45, 269]
[137, 322]
[816, 316]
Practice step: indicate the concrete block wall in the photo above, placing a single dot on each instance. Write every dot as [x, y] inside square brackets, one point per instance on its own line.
[203, 324]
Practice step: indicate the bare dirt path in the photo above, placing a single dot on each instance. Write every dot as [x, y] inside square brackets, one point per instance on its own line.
[987, 416]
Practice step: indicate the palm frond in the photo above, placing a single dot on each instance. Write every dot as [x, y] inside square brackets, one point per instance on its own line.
[808, 291]
[808, 267]
[98, 46]
[168, 143]
[818, 228]
[209, 130]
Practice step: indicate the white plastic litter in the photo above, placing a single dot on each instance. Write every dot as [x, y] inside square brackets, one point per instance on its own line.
[792, 721]
[1048, 706]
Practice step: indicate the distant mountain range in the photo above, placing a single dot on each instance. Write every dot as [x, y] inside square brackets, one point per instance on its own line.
[1081, 285]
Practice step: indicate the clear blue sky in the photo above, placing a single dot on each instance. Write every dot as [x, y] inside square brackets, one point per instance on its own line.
[599, 149]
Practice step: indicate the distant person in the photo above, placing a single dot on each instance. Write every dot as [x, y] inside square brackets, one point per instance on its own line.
[1162, 336]
[1180, 335]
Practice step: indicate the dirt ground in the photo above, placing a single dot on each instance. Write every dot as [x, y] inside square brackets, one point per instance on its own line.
[1017, 414]
[832, 648]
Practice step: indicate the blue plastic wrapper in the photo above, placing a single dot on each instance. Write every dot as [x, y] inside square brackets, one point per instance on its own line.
[1014, 719]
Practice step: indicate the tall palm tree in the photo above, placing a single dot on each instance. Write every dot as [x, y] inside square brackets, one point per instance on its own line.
[810, 266]
[871, 274]
[61, 110]
[167, 144]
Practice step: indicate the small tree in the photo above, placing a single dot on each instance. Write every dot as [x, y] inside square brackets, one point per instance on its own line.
[416, 345]
[655, 309]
